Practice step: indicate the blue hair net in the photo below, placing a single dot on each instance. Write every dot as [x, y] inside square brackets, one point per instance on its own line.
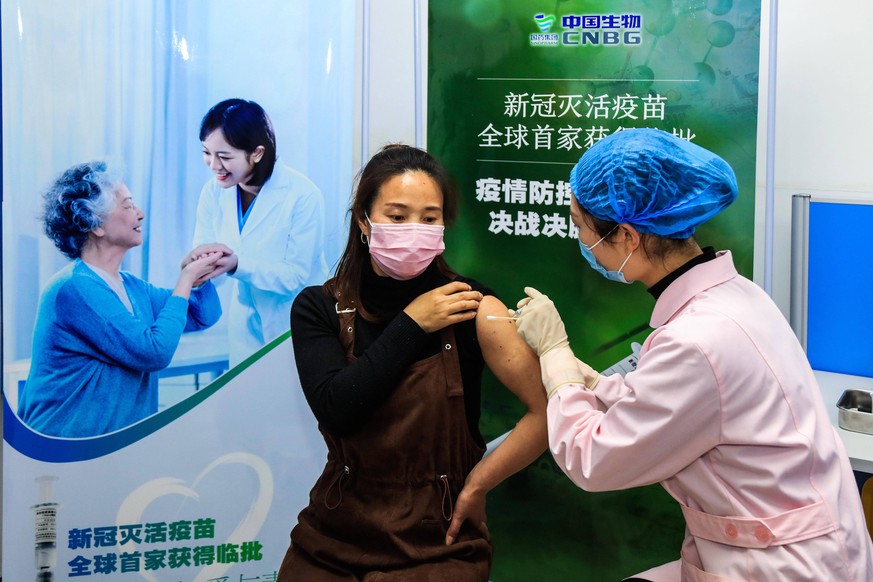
[659, 183]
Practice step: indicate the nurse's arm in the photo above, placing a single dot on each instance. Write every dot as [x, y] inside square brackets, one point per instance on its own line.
[516, 366]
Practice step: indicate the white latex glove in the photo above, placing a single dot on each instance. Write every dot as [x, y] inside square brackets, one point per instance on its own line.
[560, 368]
[539, 323]
[541, 327]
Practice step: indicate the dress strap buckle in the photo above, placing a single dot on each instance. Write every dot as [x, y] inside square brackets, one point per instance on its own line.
[338, 310]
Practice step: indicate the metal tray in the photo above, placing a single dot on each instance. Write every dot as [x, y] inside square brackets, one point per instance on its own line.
[855, 409]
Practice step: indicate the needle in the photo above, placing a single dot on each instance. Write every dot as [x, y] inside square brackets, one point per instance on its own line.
[500, 317]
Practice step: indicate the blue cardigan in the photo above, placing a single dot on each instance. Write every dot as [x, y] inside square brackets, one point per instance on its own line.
[92, 358]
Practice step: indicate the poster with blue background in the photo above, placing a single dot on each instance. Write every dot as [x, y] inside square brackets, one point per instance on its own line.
[204, 480]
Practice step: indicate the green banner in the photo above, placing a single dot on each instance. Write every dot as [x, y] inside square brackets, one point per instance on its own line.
[517, 92]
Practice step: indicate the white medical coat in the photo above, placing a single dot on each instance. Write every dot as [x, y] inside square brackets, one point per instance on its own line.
[280, 251]
[724, 411]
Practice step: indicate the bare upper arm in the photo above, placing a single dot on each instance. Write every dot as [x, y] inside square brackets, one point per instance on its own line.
[507, 356]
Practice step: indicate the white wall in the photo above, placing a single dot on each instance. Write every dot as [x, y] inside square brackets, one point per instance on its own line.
[823, 122]
[823, 95]
[391, 82]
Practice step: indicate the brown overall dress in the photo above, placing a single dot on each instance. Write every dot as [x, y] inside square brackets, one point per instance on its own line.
[382, 506]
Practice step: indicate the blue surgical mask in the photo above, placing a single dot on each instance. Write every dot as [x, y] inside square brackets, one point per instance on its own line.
[617, 276]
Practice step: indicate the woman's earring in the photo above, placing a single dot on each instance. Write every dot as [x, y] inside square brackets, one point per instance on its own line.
[364, 238]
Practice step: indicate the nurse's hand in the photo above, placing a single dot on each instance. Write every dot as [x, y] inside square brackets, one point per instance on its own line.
[444, 306]
[539, 323]
[195, 273]
[203, 250]
[226, 263]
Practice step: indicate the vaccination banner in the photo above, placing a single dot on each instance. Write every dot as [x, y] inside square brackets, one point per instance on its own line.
[132, 450]
[204, 491]
[517, 92]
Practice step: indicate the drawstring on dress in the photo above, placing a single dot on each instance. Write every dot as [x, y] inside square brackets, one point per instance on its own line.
[338, 481]
[447, 498]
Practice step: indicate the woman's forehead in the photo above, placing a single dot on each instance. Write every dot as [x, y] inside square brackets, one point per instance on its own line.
[408, 190]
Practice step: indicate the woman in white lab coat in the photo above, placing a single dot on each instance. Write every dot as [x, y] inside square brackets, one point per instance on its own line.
[723, 409]
[266, 218]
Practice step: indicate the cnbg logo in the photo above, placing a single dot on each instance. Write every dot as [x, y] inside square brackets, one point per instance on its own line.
[545, 22]
[588, 30]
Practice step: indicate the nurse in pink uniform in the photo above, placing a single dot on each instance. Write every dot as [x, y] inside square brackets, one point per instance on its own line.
[723, 409]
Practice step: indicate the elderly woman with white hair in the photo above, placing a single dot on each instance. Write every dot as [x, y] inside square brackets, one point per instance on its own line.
[723, 409]
[100, 332]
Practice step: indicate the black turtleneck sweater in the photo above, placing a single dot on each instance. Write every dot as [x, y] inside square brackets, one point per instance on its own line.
[658, 288]
[343, 396]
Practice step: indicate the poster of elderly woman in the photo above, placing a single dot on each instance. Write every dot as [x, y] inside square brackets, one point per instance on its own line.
[101, 332]
[138, 442]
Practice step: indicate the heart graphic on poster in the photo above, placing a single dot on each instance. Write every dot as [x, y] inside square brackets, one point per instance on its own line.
[135, 504]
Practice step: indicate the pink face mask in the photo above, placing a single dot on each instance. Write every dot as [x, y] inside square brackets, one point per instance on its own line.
[404, 251]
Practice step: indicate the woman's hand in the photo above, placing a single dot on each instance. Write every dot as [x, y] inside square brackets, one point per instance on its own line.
[226, 263]
[203, 250]
[470, 505]
[516, 366]
[444, 306]
[196, 272]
